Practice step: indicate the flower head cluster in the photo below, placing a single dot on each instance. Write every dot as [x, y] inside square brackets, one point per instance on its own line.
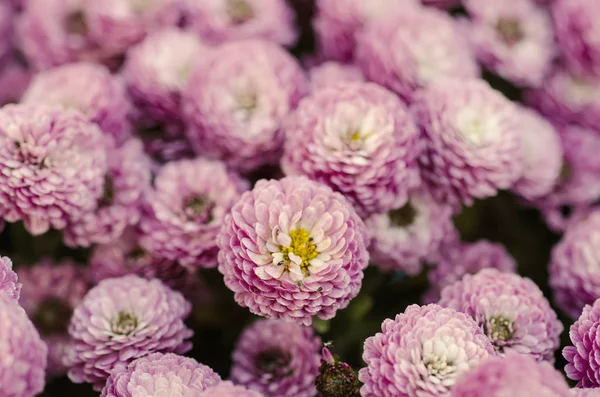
[422, 352]
[511, 310]
[473, 144]
[87, 87]
[23, 354]
[582, 356]
[53, 164]
[160, 374]
[293, 249]
[413, 49]
[406, 237]
[50, 294]
[235, 105]
[358, 139]
[513, 38]
[184, 211]
[277, 358]
[512, 375]
[122, 319]
[226, 20]
[9, 282]
[574, 278]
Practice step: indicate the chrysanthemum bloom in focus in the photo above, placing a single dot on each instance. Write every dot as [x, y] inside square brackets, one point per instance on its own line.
[422, 352]
[183, 213]
[577, 30]
[158, 69]
[277, 358]
[127, 179]
[116, 25]
[568, 98]
[87, 87]
[574, 278]
[293, 249]
[405, 237]
[332, 73]
[9, 282]
[53, 165]
[413, 49]
[360, 140]
[227, 20]
[542, 156]
[457, 259]
[337, 22]
[228, 389]
[512, 38]
[473, 140]
[138, 317]
[235, 104]
[51, 292]
[582, 360]
[23, 354]
[160, 375]
[512, 375]
[510, 309]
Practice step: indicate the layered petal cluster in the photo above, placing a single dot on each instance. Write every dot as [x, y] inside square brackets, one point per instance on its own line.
[50, 294]
[331, 73]
[512, 375]
[9, 282]
[183, 213]
[218, 21]
[359, 139]
[582, 363]
[116, 25]
[405, 237]
[542, 155]
[568, 98]
[87, 87]
[512, 38]
[277, 358]
[574, 279]
[228, 389]
[422, 352]
[473, 143]
[235, 105]
[127, 179]
[158, 69]
[337, 22]
[122, 319]
[459, 259]
[23, 354]
[53, 163]
[293, 249]
[511, 310]
[413, 49]
[577, 32]
[160, 374]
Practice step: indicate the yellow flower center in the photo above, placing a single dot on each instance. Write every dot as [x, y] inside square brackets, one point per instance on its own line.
[301, 246]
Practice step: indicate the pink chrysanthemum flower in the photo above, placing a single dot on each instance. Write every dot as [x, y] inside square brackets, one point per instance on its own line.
[293, 249]
[51, 292]
[277, 358]
[235, 105]
[53, 163]
[9, 282]
[422, 352]
[473, 143]
[359, 139]
[510, 309]
[413, 49]
[582, 362]
[122, 319]
[217, 21]
[127, 179]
